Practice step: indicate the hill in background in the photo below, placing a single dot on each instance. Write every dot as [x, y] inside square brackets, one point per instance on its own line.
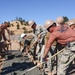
[17, 29]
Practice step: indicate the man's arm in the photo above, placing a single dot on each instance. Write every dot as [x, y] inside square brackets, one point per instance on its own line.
[4, 37]
[48, 45]
[43, 32]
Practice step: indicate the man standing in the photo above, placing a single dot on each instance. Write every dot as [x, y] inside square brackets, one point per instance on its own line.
[65, 36]
[2, 34]
[39, 34]
[3, 43]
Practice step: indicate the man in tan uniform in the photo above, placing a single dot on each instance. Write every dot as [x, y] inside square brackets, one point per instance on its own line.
[2, 43]
[39, 33]
[65, 36]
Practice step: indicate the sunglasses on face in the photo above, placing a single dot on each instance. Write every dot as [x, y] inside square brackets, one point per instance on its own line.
[33, 25]
[48, 28]
[54, 24]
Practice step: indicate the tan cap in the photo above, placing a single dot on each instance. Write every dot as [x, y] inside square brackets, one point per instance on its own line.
[60, 20]
[31, 22]
[5, 21]
[71, 23]
[48, 23]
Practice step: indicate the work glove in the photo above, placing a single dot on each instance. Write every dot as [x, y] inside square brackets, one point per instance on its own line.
[39, 36]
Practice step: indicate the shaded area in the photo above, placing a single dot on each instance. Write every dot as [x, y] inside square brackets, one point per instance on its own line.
[17, 65]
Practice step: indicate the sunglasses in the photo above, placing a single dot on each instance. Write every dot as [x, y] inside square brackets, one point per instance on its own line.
[54, 24]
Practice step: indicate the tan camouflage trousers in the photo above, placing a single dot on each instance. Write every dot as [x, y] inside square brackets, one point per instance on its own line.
[50, 61]
[65, 59]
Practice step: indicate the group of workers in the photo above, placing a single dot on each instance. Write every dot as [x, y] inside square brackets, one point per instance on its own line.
[48, 40]
[51, 38]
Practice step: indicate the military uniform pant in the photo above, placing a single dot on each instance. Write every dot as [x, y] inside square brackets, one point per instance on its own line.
[40, 52]
[65, 59]
[50, 61]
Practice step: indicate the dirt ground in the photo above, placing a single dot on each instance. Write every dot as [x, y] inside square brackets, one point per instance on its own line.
[20, 65]
[23, 61]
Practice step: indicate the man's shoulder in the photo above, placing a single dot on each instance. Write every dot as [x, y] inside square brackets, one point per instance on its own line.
[55, 33]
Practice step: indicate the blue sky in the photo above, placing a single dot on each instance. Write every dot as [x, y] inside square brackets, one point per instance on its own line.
[37, 10]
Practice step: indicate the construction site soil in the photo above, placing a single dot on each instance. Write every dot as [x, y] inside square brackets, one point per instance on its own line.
[16, 64]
